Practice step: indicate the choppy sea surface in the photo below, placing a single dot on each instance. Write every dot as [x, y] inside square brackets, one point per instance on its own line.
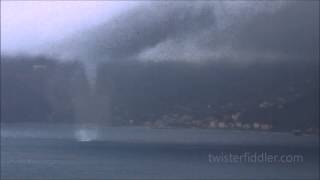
[39, 151]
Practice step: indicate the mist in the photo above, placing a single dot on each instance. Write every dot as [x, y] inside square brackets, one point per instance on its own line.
[212, 89]
[125, 41]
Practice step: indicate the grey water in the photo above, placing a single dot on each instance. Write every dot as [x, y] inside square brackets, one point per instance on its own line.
[55, 152]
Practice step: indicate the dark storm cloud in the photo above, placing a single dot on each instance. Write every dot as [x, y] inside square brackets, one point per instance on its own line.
[292, 31]
[141, 28]
[180, 30]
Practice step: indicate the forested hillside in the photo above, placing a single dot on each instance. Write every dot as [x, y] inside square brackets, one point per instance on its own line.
[282, 95]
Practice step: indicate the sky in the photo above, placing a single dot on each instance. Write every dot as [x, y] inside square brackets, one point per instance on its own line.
[203, 30]
[28, 25]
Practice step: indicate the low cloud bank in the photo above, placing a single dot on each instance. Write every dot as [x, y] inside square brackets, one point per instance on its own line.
[238, 31]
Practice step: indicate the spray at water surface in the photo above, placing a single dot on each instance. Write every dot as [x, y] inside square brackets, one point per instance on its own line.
[170, 31]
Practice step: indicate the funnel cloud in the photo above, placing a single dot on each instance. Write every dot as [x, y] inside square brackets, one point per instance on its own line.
[132, 58]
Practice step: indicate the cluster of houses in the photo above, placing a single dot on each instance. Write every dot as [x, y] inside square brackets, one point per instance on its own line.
[210, 122]
[240, 125]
